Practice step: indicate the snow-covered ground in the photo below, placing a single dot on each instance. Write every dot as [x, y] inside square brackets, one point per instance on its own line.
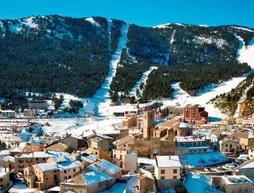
[142, 79]
[81, 127]
[101, 97]
[181, 98]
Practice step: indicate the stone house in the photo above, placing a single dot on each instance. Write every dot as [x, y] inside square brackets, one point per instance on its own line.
[229, 144]
[146, 182]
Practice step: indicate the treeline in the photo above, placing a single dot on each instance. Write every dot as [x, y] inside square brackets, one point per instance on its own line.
[192, 78]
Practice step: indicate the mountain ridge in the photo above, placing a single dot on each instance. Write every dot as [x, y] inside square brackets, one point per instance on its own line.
[65, 50]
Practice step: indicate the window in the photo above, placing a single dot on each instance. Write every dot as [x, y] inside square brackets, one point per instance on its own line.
[74, 170]
[162, 178]
[175, 177]
[43, 159]
[65, 171]
[47, 179]
[162, 171]
[69, 177]
[226, 145]
[175, 171]
[1, 179]
[65, 177]
[114, 155]
[37, 159]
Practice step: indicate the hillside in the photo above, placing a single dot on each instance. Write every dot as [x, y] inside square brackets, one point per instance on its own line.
[72, 55]
[239, 101]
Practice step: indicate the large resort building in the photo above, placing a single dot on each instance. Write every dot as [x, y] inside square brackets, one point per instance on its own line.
[195, 114]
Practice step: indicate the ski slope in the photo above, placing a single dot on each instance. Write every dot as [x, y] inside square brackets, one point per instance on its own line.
[181, 98]
[102, 94]
[142, 79]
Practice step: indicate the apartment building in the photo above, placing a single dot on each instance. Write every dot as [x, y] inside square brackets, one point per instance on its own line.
[167, 171]
[25, 160]
[195, 114]
[192, 144]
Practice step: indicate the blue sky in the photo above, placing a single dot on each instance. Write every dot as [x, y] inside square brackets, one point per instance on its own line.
[141, 12]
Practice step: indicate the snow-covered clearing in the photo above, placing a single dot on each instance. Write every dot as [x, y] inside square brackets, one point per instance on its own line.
[166, 25]
[92, 21]
[243, 28]
[81, 126]
[172, 37]
[210, 40]
[143, 79]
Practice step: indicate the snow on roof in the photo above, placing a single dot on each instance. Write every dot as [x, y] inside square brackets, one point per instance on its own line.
[37, 154]
[54, 189]
[184, 125]
[197, 183]
[146, 160]
[167, 161]
[89, 158]
[2, 172]
[47, 166]
[8, 158]
[108, 166]
[70, 165]
[117, 188]
[21, 188]
[91, 178]
[204, 159]
[248, 165]
[241, 179]
[59, 159]
[189, 139]
[4, 152]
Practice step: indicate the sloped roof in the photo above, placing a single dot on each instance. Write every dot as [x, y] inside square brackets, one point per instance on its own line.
[47, 166]
[124, 140]
[197, 183]
[91, 178]
[167, 161]
[108, 166]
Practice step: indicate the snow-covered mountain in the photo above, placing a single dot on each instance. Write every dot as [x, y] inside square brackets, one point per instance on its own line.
[90, 56]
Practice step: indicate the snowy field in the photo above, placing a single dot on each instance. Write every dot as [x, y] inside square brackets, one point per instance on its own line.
[81, 127]
[199, 160]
